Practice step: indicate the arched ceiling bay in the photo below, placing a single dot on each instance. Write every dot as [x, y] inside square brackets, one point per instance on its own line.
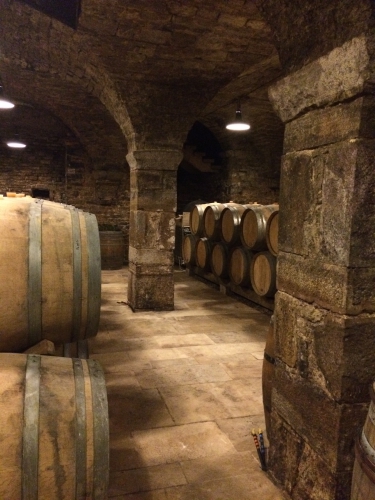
[152, 66]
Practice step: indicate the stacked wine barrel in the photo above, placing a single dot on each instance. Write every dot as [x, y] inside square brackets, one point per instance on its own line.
[53, 410]
[237, 243]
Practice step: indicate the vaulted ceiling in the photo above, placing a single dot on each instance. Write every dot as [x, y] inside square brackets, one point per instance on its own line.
[137, 73]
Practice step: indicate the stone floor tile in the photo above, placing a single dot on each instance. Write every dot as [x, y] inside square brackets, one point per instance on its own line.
[117, 383]
[118, 362]
[179, 443]
[245, 370]
[254, 486]
[211, 468]
[240, 397]
[184, 393]
[163, 363]
[193, 403]
[136, 409]
[153, 354]
[146, 479]
[218, 350]
[182, 375]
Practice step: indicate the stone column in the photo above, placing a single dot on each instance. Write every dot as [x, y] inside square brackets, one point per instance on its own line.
[152, 226]
[325, 306]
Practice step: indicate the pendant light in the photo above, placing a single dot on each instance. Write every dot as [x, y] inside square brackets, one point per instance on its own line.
[16, 143]
[238, 124]
[4, 102]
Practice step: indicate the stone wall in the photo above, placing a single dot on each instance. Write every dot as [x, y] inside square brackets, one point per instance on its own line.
[325, 305]
[103, 191]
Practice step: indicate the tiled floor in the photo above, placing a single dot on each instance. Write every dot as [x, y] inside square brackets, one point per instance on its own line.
[184, 392]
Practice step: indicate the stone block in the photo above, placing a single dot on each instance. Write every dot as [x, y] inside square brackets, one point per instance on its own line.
[285, 319]
[152, 230]
[299, 225]
[345, 356]
[361, 290]
[362, 244]
[313, 281]
[335, 77]
[161, 259]
[311, 224]
[303, 472]
[337, 288]
[150, 291]
[329, 125]
[327, 427]
[154, 159]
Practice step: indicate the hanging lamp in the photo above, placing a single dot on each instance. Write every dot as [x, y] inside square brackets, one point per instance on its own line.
[238, 124]
[4, 102]
[15, 143]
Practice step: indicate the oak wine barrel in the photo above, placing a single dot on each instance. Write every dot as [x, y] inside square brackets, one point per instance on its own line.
[239, 266]
[272, 233]
[53, 428]
[196, 219]
[263, 274]
[211, 219]
[254, 224]
[188, 249]
[50, 269]
[112, 249]
[230, 221]
[268, 370]
[363, 477]
[219, 260]
[203, 250]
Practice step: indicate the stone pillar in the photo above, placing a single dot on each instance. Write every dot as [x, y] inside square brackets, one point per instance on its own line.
[325, 306]
[152, 226]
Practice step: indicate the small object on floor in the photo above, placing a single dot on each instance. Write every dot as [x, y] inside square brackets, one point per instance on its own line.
[261, 455]
[261, 442]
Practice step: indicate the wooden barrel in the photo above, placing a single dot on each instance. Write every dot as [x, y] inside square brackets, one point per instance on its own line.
[219, 259]
[112, 249]
[268, 370]
[230, 221]
[188, 249]
[254, 224]
[50, 271]
[196, 219]
[53, 428]
[272, 233]
[263, 274]
[211, 219]
[202, 253]
[239, 266]
[363, 478]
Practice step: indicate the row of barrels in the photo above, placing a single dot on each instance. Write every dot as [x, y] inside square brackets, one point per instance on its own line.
[237, 243]
[254, 226]
[53, 410]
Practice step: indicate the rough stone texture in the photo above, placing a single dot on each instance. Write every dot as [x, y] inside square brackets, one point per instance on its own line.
[152, 228]
[322, 283]
[314, 417]
[324, 361]
[252, 176]
[344, 121]
[340, 75]
[317, 28]
[332, 351]
[303, 471]
[151, 289]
